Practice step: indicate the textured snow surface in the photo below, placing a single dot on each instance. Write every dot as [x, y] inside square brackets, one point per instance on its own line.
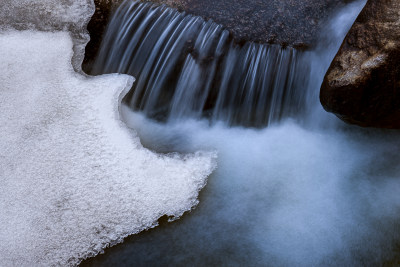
[50, 15]
[73, 178]
[70, 15]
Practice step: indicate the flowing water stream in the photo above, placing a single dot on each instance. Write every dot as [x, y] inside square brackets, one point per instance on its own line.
[294, 185]
[169, 52]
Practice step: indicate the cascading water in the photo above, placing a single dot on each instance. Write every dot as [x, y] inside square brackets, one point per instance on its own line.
[298, 193]
[188, 67]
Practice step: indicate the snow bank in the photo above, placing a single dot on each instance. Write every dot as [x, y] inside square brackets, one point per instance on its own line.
[72, 178]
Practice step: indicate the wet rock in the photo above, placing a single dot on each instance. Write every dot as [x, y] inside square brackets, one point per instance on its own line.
[362, 85]
[293, 22]
[97, 27]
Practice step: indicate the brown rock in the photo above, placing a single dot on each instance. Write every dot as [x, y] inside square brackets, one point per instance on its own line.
[362, 85]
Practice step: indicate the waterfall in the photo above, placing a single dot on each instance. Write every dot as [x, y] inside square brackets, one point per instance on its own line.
[305, 191]
[188, 67]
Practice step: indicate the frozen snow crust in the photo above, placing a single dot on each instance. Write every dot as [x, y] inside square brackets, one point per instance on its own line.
[71, 15]
[50, 15]
[73, 179]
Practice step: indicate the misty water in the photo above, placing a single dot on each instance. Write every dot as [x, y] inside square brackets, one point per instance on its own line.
[307, 190]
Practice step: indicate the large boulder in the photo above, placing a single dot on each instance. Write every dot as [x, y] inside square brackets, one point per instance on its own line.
[362, 85]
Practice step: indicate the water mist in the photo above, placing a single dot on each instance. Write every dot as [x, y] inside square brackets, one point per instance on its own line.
[305, 191]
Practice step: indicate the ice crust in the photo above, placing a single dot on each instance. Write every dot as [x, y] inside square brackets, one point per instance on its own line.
[50, 15]
[46, 15]
[73, 178]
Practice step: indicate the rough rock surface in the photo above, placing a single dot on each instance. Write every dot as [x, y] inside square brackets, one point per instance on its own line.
[287, 22]
[362, 85]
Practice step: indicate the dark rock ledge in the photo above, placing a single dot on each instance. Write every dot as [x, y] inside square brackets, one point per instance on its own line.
[362, 85]
[294, 23]
[287, 22]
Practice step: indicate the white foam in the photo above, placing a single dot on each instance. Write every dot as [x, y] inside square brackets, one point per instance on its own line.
[72, 178]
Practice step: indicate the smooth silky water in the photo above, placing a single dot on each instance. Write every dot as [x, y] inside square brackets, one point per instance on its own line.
[294, 185]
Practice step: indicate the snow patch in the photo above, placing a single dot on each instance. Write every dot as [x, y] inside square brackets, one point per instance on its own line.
[73, 178]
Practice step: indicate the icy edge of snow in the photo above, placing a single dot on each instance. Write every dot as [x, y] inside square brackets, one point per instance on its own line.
[51, 15]
[73, 179]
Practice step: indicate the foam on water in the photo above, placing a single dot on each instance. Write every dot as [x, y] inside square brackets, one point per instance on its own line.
[73, 178]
